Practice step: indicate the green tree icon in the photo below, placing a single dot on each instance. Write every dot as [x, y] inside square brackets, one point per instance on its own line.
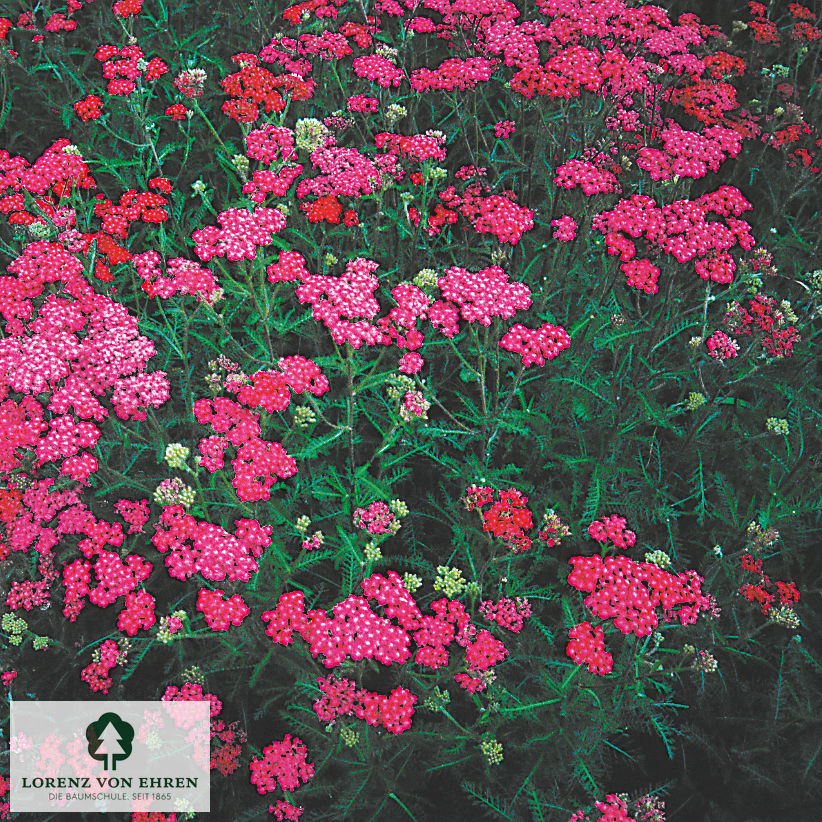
[109, 740]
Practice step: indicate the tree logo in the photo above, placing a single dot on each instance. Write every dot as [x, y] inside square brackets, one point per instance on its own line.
[109, 740]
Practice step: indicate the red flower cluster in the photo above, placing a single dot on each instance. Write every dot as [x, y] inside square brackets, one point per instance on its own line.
[89, 108]
[341, 697]
[787, 592]
[128, 66]
[148, 206]
[765, 317]
[226, 746]
[507, 519]
[251, 87]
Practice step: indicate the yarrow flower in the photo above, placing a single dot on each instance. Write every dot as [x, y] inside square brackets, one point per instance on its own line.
[284, 764]
[565, 228]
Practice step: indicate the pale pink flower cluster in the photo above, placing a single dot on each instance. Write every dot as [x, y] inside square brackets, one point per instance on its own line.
[241, 232]
[343, 171]
[587, 176]
[379, 70]
[453, 73]
[483, 295]
[722, 347]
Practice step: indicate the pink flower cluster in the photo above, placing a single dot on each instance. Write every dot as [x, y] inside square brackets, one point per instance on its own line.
[201, 547]
[565, 228]
[341, 697]
[356, 631]
[507, 613]
[75, 348]
[284, 763]
[97, 673]
[377, 518]
[139, 612]
[587, 176]
[680, 230]
[240, 233]
[641, 275]
[346, 305]
[361, 102]
[485, 294]
[220, 613]
[259, 463]
[116, 577]
[182, 277]
[343, 172]
[612, 528]
[504, 129]
[536, 345]
[721, 347]
[379, 70]
[29, 594]
[453, 73]
[501, 216]
[689, 153]
[136, 514]
[417, 147]
[587, 647]
[191, 692]
[614, 809]
[629, 592]
[762, 316]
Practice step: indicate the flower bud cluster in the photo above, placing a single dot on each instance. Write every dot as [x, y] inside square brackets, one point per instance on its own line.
[176, 456]
[450, 581]
[492, 750]
[174, 492]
